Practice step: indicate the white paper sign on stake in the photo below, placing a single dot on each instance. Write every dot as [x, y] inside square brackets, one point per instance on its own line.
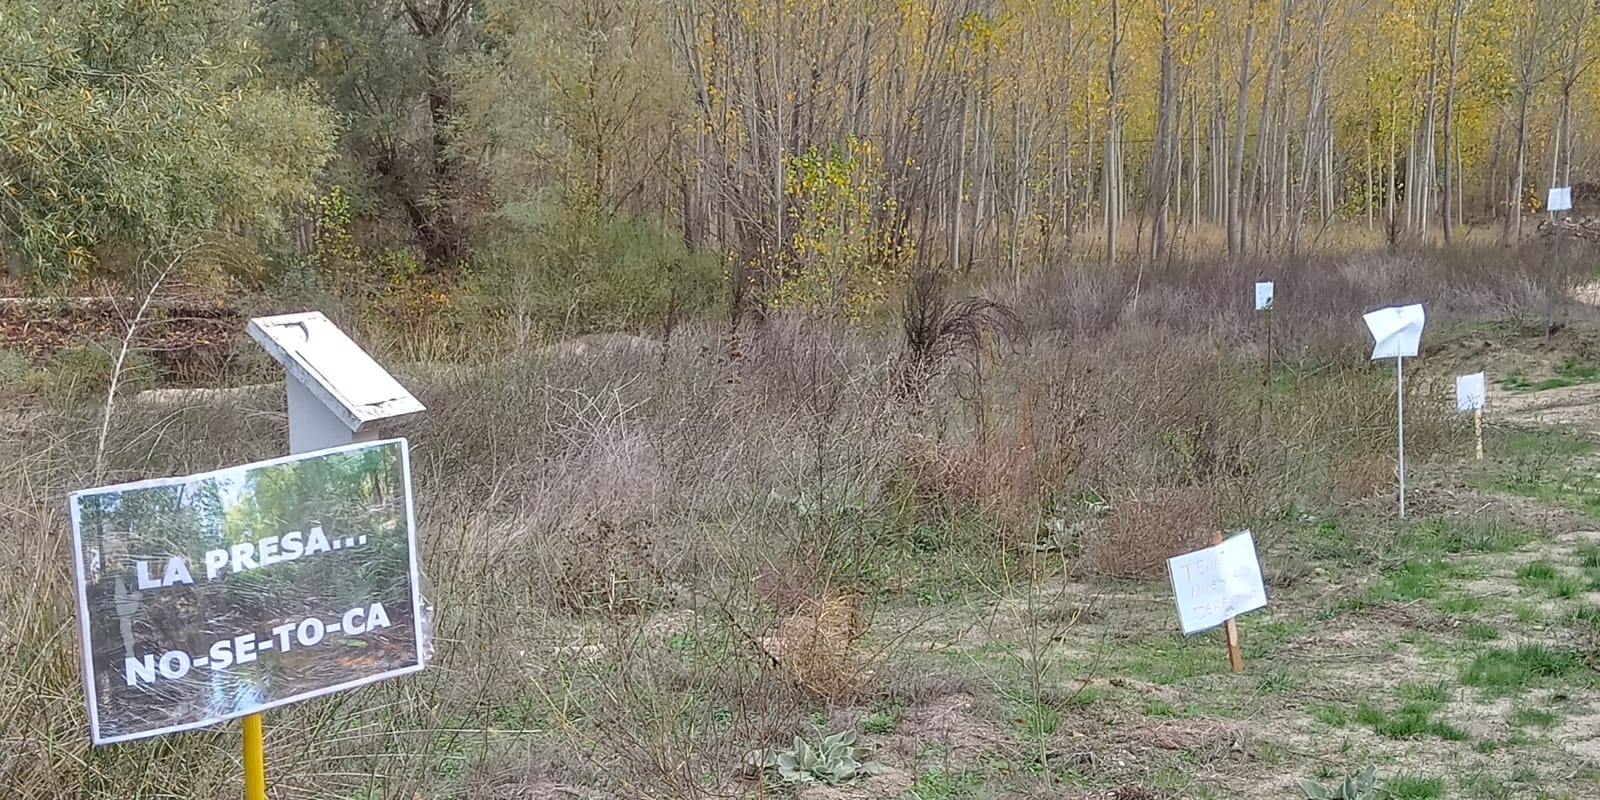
[1396, 331]
[1217, 584]
[1471, 392]
[1263, 295]
[1560, 199]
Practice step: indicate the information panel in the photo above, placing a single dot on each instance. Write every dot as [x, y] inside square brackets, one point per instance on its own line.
[214, 596]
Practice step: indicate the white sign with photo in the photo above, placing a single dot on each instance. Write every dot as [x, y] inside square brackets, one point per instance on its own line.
[1264, 295]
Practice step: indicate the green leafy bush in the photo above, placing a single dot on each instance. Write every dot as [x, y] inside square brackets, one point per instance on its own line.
[552, 266]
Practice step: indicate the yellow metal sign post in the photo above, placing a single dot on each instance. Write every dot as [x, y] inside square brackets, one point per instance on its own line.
[255, 760]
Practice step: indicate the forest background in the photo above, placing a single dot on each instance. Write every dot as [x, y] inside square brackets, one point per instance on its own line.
[559, 166]
[822, 491]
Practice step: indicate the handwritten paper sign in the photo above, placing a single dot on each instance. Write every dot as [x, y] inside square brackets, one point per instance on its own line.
[1396, 331]
[1263, 295]
[1560, 199]
[1218, 583]
[214, 596]
[1471, 392]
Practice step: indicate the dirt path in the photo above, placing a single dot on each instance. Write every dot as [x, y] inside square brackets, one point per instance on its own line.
[1573, 407]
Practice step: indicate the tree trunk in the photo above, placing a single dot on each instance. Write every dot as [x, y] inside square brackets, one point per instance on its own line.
[1235, 224]
[1448, 189]
[1160, 180]
[1111, 170]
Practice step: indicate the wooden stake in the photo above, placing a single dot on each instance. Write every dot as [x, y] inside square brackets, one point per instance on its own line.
[1477, 429]
[1231, 627]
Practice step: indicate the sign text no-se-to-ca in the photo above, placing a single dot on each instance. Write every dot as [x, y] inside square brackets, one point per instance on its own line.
[219, 595]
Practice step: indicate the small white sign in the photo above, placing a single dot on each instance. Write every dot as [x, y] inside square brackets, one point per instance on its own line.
[1263, 295]
[1396, 331]
[1471, 392]
[1217, 584]
[1560, 199]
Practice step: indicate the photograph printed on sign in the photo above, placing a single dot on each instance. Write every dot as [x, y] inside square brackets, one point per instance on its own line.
[1264, 295]
[214, 596]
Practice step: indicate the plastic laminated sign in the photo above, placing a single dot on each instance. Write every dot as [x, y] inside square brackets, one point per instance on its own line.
[214, 596]
[1471, 392]
[1264, 295]
[1560, 199]
[1396, 331]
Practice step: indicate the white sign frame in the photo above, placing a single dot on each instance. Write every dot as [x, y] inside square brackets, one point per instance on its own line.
[81, 583]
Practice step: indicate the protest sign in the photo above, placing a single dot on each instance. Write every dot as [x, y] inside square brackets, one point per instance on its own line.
[1217, 584]
[1263, 295]
[220, 595]
[1560, 199]
[1471, 392]
[1396, 331]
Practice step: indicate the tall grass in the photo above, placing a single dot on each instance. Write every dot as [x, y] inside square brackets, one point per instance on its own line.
[619, 544]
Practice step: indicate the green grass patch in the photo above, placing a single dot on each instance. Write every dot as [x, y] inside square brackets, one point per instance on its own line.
[1415, 580]
[1174, 661]
[1332, 716]
[937, 784]
[1589, 556]
[1533, 718]
[1161, 709]
[1480, 632]
[1587, 616]
[1425, 692]
[1414, 720]
[1039, 721]
[1466, 535]
[1549, 441]
[1482, 785]
[1411, 787]
[1267, 635]
[1545, 465]
[880, 722]
[1535, 574]
[1461, 604]
[1548, 578]
[1504, 672]
[1568, 373]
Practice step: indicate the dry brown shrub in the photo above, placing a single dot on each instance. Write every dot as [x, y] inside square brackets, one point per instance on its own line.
[1031, 436]
[818, 647]
[1142, 533]
[608, 570]
[1360, 476]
